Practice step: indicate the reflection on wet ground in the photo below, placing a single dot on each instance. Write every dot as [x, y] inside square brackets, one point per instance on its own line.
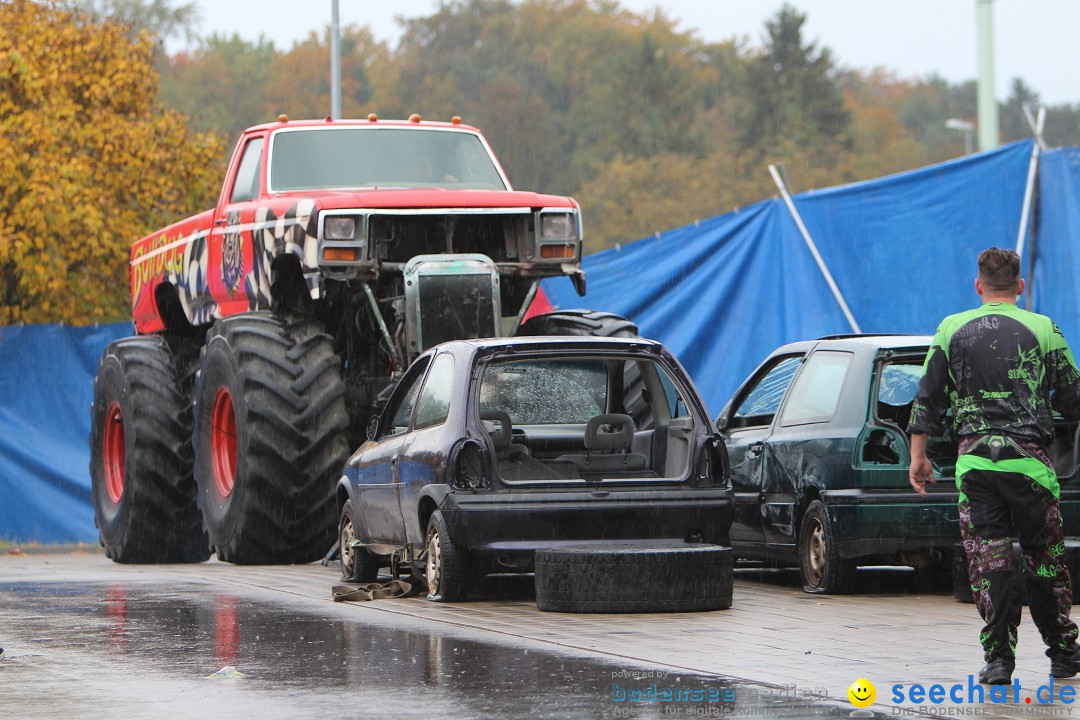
[875, 580]
[143, 649]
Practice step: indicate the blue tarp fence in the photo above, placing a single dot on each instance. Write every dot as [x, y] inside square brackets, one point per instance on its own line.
[721, 293]
[46, 387]
[724, 292]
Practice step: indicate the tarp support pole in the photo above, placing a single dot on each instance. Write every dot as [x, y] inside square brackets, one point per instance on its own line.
[813, 248]
[1029, 191]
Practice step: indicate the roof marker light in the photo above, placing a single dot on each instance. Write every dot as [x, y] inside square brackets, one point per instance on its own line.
[456, 120]
[283, 118]
[415, 118]
[372, 117]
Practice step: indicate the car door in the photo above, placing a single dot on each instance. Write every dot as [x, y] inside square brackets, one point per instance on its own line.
[806, 449]
[425, 448]
[746, 426]
[378, 489]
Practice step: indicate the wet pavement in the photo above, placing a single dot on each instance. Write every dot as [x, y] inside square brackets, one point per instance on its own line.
[149, 644]
[89, 638]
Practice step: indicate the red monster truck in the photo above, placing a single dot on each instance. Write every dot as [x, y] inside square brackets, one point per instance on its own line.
[271, 327]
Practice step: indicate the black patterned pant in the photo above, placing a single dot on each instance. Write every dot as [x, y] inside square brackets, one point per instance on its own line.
[996, 502]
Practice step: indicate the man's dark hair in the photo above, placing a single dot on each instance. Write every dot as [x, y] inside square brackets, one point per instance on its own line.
[999, 269]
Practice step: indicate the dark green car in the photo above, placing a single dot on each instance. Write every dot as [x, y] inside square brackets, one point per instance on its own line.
[819, 462]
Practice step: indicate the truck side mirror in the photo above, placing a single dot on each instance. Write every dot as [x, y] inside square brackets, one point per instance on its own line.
[373, 427]
[721, 423]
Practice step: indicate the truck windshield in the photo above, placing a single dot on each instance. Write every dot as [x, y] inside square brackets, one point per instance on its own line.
[359, 157]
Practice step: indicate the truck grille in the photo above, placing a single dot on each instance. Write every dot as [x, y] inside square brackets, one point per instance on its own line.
[398, 238]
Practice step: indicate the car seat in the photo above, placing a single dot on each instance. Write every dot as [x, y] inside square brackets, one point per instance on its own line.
[608, 440]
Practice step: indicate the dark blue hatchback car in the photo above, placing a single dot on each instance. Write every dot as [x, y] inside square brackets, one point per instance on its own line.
[489, 450]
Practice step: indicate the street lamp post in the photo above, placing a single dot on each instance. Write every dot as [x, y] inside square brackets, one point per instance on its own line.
[965, 126]
[335, 62]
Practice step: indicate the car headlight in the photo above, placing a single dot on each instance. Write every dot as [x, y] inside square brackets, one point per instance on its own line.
[557, 226]
[340, 228]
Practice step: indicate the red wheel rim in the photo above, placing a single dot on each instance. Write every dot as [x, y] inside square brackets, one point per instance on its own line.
[112, 452]
[223, 443]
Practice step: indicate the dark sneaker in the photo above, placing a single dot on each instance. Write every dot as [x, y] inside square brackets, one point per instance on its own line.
[998, 671]
[1065, 665]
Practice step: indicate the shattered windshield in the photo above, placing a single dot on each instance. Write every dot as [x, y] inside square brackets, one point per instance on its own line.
[543, 392]
[369, 157]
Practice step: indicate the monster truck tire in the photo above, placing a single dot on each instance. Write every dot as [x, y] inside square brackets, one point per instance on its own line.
[142, 483]
[270, 443]
[579, 322]
[634, 579]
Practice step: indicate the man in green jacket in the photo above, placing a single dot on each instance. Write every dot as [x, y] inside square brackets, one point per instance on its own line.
[1003, 371]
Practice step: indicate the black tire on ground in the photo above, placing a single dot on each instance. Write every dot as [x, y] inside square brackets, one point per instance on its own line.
[446, 567]
[141, 476]
[357, 564]
[628, 579]
[579, 322]
[821, 568]
[270, 442]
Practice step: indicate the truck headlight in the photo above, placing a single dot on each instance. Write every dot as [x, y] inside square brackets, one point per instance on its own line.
[340, 228]
[558, 226]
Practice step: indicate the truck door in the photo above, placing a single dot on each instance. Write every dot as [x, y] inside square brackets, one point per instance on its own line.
[231, 258]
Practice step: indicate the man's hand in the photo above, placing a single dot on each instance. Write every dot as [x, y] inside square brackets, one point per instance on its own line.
[921, 470]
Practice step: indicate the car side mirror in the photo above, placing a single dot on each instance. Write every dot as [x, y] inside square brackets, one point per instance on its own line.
[721, 423]
[373, 428]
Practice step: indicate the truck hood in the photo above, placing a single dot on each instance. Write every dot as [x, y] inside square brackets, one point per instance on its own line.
[404, 198]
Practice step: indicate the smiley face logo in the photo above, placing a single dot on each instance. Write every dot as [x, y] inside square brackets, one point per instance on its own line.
[862, 693]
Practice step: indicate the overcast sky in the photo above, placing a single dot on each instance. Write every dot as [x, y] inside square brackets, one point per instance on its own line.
[1035, 39]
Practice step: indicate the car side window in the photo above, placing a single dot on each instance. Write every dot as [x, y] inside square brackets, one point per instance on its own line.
[761, 403]
[434, 404]
[400, 413]
[661, 405]
[896, 392]
[816, 392]
[246, 184]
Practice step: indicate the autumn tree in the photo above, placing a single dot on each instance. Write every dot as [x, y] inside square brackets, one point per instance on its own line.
[560, 87]
[297, 82]
[221, 85]
[88, 163]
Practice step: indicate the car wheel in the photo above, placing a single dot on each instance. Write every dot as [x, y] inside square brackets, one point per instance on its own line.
[445, 569]
[634, 579]
[821, 567]
[358, 564]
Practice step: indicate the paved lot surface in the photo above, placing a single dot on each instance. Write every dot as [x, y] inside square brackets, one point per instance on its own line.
[775, 640]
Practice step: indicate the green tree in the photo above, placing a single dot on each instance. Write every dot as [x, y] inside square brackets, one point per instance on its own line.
[297, 82]
[1014, 124]
[161, 18]
[560, 87]
[792, 89]
[220, 86]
